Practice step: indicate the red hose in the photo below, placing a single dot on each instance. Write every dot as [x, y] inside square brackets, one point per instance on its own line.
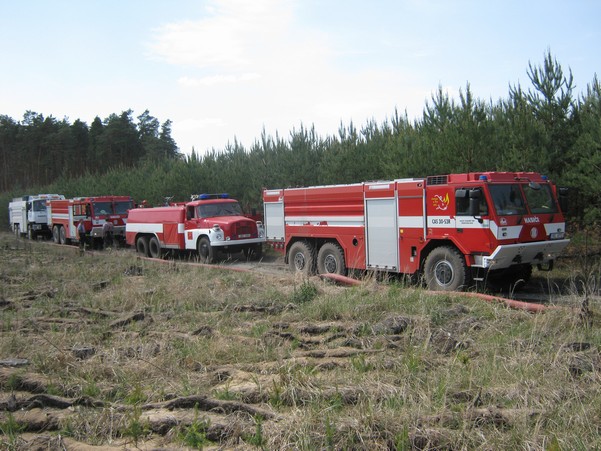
[511, 303]
[348, 281]
[341, 279]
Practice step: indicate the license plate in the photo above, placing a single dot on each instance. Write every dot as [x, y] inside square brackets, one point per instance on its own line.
[244, 235]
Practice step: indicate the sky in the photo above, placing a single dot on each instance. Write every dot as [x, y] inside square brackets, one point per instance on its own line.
[225, 70]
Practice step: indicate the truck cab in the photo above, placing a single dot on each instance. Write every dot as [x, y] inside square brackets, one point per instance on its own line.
[28, 215]
[503, 224]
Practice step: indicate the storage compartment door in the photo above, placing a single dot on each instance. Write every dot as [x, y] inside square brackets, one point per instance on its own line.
[274, 221]
[382, 234]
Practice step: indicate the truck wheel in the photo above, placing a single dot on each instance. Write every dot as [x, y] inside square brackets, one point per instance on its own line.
[16, 230]
[445, 269]
[55, 235]
[154, 247]
[301, 258]
[31, 234]
[142, 245]
[62, 236]
[330, 259]
[205, 250]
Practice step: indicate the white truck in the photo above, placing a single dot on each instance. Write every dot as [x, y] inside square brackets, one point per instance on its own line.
[27, 215]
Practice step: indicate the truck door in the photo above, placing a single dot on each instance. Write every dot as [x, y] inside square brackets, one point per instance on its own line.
[274, 221]
[381, 229]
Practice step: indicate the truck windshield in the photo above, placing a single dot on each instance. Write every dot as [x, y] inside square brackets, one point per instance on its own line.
[103, 208]
[508, 200]
[219, 209]
[540, 200]
[122, 207]
[39, 205]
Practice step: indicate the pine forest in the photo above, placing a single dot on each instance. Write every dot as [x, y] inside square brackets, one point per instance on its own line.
[544, 127]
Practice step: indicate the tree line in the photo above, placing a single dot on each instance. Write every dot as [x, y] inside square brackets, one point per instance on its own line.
[543, 128]
[38, 150]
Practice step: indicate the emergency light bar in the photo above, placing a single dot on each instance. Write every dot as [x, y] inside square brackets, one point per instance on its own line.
[206, 196]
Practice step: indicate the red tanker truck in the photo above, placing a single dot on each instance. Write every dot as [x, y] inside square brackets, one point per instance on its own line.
[209, 224]
[449, 229]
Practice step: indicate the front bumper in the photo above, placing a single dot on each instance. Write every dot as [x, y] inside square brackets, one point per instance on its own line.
[507, 255]
[117, 231]
[219, 243]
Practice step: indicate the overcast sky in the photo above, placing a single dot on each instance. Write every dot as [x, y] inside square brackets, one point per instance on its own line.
[220, 69]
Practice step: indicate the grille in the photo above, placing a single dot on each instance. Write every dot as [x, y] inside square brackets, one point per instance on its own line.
[438, 180]
[245, 230]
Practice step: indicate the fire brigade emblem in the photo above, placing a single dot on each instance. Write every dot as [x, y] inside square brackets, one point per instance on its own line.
[440, 202]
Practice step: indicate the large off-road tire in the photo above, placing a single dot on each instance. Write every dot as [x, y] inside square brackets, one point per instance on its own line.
[62, 236]
[16, 230]
[330, 259]
[301, 258]
[445, 270]
[31, 234]
[206, 253]
[56, 234]
[154, 247]
[142, 245]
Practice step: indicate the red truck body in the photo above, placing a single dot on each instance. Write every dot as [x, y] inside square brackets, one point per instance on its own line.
[450, 229]
[96, 212]
[209, 224]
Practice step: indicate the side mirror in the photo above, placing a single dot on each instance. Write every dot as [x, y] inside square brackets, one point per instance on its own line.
[461, 193]
[563, 193]
[474, 206]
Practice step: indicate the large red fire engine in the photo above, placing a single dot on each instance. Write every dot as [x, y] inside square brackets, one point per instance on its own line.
[208, 224]
[450, 229]
[100, 215]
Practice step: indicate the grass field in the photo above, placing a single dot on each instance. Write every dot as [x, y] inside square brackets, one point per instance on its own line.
[106, 350]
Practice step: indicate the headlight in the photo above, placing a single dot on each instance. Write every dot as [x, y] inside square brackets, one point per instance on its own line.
[260, 229]
[217, 233]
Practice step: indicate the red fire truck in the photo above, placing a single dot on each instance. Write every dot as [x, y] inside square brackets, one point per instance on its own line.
[449, 229]
[99, 214]
[208, 224]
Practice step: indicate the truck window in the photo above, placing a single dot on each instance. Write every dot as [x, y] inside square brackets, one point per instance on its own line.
[39, 205]
[508, 200]
[219, 209]
[121, 207]
[462, 205]
[541, 200]
[103, 208]
[79, 210]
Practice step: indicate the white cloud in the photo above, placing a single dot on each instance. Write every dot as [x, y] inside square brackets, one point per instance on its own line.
[227, 38]
[257, 66]
[216, 80]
